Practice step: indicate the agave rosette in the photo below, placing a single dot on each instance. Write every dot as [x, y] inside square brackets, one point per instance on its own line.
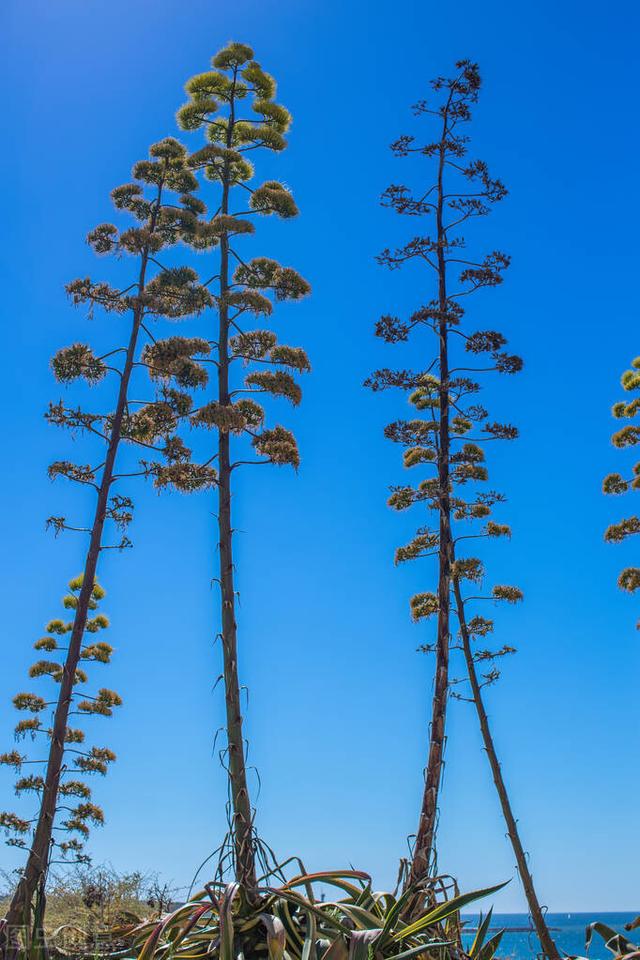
[292, 922]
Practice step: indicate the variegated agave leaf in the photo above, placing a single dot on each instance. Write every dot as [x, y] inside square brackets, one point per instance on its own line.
[310, 948]
[276, 936]
[481, 934]
[617, 943]
[490, 948]
[337, 950]
[361, 942]
[227, 932]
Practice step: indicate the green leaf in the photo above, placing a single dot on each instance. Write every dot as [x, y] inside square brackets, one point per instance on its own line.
[300, 901]
[295, 942]
[360, 942]
[334, 878]
[309, 948]
[444, 910]
[337, 951]
[276, 936]
[422, 949]
[226, 921]
[488, 952]
[393, 915]
[363, 919]
[614, 941]
[481, 933]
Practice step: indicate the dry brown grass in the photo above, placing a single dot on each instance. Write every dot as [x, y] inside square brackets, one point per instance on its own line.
[86, 903]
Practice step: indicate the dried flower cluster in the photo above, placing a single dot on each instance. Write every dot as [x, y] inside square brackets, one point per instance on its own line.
[615, 483]
[72, 831]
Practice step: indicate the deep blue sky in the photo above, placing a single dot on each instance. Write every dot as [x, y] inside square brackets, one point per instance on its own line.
[339, 697]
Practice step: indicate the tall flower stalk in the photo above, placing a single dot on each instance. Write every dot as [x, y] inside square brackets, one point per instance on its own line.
[156, 292]
[80, 759]
[471, 630]
[461, 189]
[234, 104]
[450, 439]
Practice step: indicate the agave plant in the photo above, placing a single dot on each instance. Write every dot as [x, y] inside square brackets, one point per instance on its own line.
[617, 943]
[482, 948]
[292, 922]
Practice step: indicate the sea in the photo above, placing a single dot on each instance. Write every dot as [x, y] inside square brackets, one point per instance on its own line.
[568, 930]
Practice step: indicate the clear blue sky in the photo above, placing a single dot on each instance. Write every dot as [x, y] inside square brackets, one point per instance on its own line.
[339, 698]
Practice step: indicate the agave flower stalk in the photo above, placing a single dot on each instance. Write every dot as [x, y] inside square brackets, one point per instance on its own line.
[163, 219]
[615, 484]
[80, 759]
[234, 104]
[451, 439]
[462, 189]
[483, 626]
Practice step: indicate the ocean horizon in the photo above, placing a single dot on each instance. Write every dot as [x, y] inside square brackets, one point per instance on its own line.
[569, 932]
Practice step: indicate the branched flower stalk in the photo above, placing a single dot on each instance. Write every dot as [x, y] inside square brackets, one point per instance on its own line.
[449, 438]
[234, 105]
[165, 212]
[440, 440]
[80, 759]
[614, 483]
[478, 627]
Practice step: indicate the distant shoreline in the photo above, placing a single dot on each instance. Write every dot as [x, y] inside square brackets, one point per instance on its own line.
[510, 929]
